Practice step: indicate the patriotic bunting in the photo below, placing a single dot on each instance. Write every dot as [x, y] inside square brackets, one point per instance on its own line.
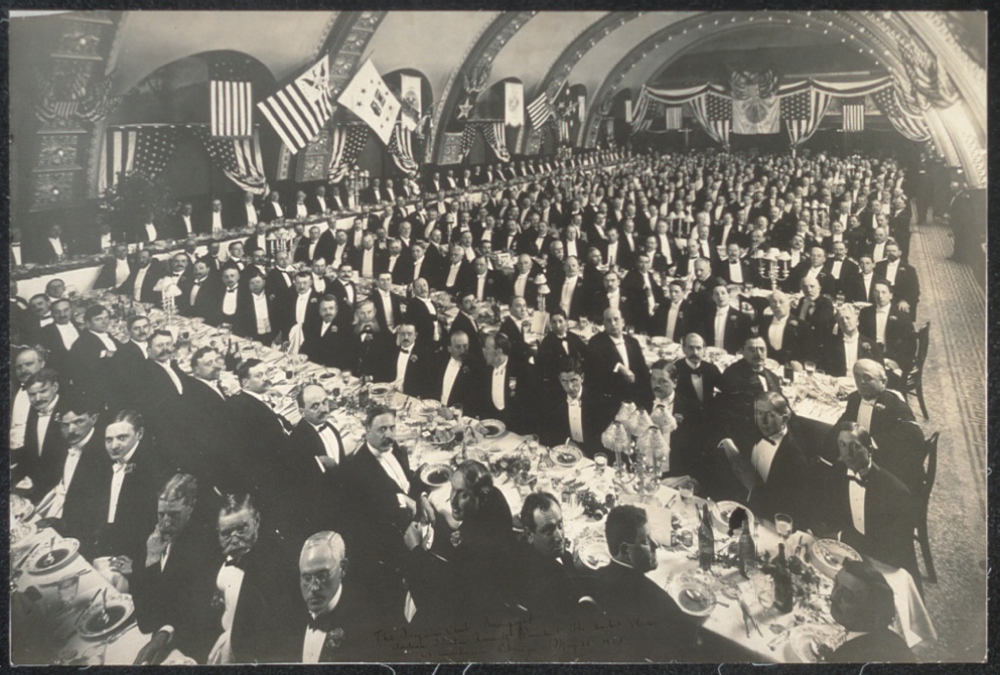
[401, 149]
[853, 115]
[911, 126]
[496, 137]
[239, 158]
[347, 142]
[230, 98]
[802, 113]
[715, 114]
[299, 110]
[539, 111]
[142, 149]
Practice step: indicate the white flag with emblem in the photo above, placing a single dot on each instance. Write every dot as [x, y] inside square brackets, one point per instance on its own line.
[513, 103]
[368, 97]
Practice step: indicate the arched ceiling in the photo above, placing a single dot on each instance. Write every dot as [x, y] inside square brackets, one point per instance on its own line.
[285, 42]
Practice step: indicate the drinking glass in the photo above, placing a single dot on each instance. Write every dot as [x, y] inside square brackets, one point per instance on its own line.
[763, 586]
[810, 368]
[783, 524]
[68, 588]
[686, 488]
[600, 461]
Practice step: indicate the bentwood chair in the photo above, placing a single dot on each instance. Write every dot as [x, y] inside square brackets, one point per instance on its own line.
[915, 378]
[923, 498]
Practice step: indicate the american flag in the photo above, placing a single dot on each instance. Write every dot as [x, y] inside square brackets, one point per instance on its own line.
[853, 115]
[496, 137]
[639, 113]
[401, 149]
[539, 110]
[239, 158]
[802, 113]
[715, 114]
[672, 117]
[347, 141]
[49, 110]
[300, 109]
[230, 97]
[143, 149]
[912, 127]
[468, 137]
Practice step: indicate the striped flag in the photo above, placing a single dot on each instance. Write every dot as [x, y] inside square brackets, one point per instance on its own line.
[347, 142]
[802, 113]
[496, 137]
[854, 115]
[50, 110]
[911, 126]
[401, 149]
[300, 109]
[239, 158]
[715, 114]
[145, 149]
[672, 117]
[230, 98]
[639, 111]
[539, 111]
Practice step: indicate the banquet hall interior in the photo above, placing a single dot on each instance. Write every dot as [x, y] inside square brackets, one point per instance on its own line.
[583, 336]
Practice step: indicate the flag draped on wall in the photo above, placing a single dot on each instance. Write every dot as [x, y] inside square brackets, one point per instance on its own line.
[715, 114]
[853, 115]
[539, 111]
[638, 112]
[299, 110]
[468, 137]
[802, 113]
[368, 97]
[144, 149]
[230, 96]
[239, 158]
[347, 140]
[756, 106]
[513, 95]
[672, 117]
[911, 126]
[496, 137]
[401, 149]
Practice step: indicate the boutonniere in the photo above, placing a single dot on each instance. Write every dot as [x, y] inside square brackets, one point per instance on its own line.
[333, 329]
[892, 317]
[312, 301]
[732, 317]
[128, 468]
[866, 346]
[413, 358]
[465, 370]
[334, 638]
[456, 538]
[880, 406]
[104, 353]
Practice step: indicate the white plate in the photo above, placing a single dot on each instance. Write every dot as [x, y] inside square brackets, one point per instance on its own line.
[435, 475]
[828, 555]
[810, 638]
[692, 595]
[722, 510]
[62, 554]
[92, 626]
[380, 389]
[493, 429]
[566, 455]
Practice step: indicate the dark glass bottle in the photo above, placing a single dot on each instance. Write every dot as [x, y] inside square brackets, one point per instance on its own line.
[706, 541]
[784, 598]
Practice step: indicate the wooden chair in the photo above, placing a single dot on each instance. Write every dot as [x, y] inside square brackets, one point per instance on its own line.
[923, 498]
[915, 378]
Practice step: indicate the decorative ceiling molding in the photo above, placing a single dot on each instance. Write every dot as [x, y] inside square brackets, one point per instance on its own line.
[479, 58]
[349, 36]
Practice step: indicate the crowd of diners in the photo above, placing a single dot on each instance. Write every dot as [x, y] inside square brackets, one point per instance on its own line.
[237, 526]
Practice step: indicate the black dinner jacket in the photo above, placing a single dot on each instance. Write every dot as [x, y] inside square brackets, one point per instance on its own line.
[275, 284]
[463, 323]
[245, 324]
[309, 485]
[836, 363]
[881, 646]
[258, 446]
[789, 487]
[267, 212]
[205, 301]
[380, 315]
[686, 403]
[738, 389]
[382, 367]
[816, 331]
[374, 491]
[517, 399]
[90, 366]
[578, 300]
[495, 286]
[353, 615]
[551, 353]
[907, 285]
[461, 278]
[43, 467]
[738, 327]
[890, 516]
[723, 269]
[331, 349]
[601, 362]
[889, 409]
[180, 594]
[462, 391]
[789, 341]
[287, 310]
[595, 412]
[898, 334]
[682, 327]
[520, 351]
[420, 316]
[153, 274]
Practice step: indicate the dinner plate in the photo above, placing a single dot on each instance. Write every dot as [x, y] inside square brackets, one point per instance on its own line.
[815, 642]
[692, 595]
[435, 475]
[61, 554]
[493, 429]
[380, 389]
[828, 555]
[442, 437]
[721, 512]
[98, 622]
[566, 455]
[591, 547]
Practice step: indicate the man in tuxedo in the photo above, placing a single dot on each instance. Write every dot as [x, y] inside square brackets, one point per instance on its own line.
[557, 345]
[890, 327]
[516, 327]
[905, 284]
[742, 382]
[272, 209]
[505, 387]
[173, 587]
[571, 295]
[849, 345]
[611, 295]
[453, 376]
[317, 203]
[54, 248]
[314, 247]
[388, 305]
[523, 283]
[59, 337]
[814, 268]
[77, 425]
[772, 469]
[227, 302]
[735, 269]
[878, 245]
[844, 271]
[487, 284]
[323, 340]
[456, 274]
[575, 413]
[182, 224]
[673, 317]
[43, 452]
[116, 270]
[860, 288]
[257, 240]
[507, 238]
[257, 586]
[872, 510]
[246, 214]
[200, 292]
[279, 279]
[343, 251]
[780, 335]
[702, 289]
[403, 362]
[111, 506]
[862, 601]
[27, 362]
[339, 625]
[727, 327]
[145, 273]
[91, 356]
[813, 319]
[301, 304]
[649, 623]
[423, 315]
[257, 312]
[616, 364]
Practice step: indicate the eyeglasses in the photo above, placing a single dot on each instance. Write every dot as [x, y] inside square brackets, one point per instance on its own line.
[241, 530]
[321, 577]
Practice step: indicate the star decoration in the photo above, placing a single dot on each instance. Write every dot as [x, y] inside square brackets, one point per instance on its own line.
[464, 109]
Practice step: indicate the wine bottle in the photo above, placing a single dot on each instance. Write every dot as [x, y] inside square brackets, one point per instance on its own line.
[746, 551]
[783, 594]
[706, 541]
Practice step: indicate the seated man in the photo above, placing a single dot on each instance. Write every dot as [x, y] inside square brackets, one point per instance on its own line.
[727, 327]
[578, 415]
[173, 587]
[651, 625]
[890, 327]
[863, 603]
[849, 345]
[781, 335]
[742, 382]
[453, 378]
[697, 383]
[772, 470]
[558, 344]
[324, 342]
[871, 509]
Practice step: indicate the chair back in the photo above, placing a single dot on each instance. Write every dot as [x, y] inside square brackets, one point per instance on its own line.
[930, 472]
[920, 350]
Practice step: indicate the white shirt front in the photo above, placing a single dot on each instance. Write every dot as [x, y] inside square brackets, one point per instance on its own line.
[195, 288]
[150, 231]
[117, 479]
[338, 254]
[856, 496]
[142, 348]
[252, 214]
[217, 220]
[121, 271]
[850, 351]
[453, 274]
[497, 389]
[763, 454]
[890, 271]
[173, 376]
[260, 310]
[15, 251]
[881, 319]
[322, 204]
[520, 285]
[57, 246]
[73, 454]
[566, 299]
[392, 468]
[402, 361]
[622, 350]
[319, 284]
[776, 332]
[278, 211]
[301, 305]
[571, 248]
[878, 254]
[42, 426]
[720, 326]
[575, 419]
[835, 268]
[390, 320]
[187, 224]
[68, 333]
[229, 302]
[735, 272]
[450, 373]
[229, 581]
[139, 278]
[368, 262]
[106, 242]
[19, 410]
[867, 279]
[312, 249]
[331, 445]
[865, 414]
[312, 643]
[480, 287]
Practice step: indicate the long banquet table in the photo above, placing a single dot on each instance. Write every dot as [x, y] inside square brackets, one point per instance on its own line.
[424, 428]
